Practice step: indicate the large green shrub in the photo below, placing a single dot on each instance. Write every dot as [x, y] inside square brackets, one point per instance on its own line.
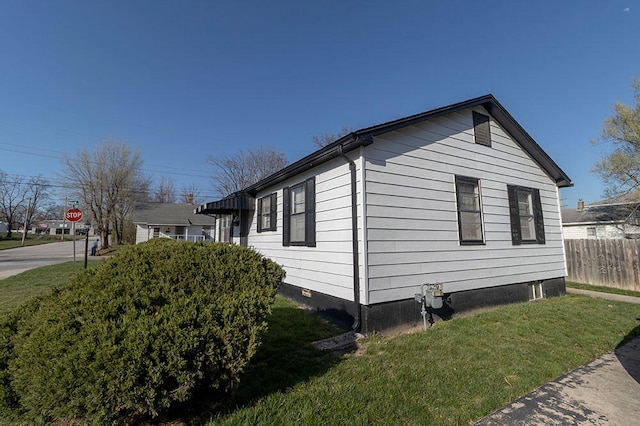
[155, 325]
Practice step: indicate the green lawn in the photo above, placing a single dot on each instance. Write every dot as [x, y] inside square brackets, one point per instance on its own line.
[611, 290]
[31, 240]
[19, 288]
[454, 373]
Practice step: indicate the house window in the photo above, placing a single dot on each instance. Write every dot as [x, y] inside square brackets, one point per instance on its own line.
[469, 210]
[481, 129]
[525, 210]
[156, 232]
[591, 232]
[267, 213]
[299, 214]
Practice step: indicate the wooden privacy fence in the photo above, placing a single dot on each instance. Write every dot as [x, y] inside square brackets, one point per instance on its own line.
[610, 263]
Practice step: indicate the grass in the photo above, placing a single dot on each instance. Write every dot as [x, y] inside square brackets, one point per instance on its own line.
[31, 240]
[19, 288]
[603, 289]
[454, 373]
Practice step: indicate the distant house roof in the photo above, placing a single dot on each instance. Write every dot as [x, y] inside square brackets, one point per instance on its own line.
[169, 214]
[365, 136]
[599, 214]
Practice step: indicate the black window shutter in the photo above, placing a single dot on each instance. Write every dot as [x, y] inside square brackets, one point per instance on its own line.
[537, 217]
[260, 215]
[514, 214]
[286, 216]
[481, 129]
[310, 212]
[274, 211]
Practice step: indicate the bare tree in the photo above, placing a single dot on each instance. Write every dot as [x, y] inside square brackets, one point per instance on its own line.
[190, 194]
[38, 193]
[20, 198]
[237, 171]
[13, 198]
[324, 139]
[166, 191]
[108, 180]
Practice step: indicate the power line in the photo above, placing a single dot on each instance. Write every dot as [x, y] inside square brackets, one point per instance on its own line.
[61, 158]
[26, 180]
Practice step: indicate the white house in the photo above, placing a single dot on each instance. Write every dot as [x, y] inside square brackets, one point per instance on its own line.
[606, 220]
[170, 220]
[460, 196]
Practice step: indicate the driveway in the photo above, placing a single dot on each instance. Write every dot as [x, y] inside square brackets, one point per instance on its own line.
[14, 261]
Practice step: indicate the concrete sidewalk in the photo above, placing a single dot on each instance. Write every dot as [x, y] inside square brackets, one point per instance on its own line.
[606, 391]
[16, 260]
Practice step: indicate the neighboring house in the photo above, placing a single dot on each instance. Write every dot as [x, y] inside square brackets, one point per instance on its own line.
[59, 227]
[461, 196]
[607, 220]
[169, 220]
[3, 227]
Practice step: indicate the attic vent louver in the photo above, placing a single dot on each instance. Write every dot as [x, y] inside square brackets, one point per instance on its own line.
[481, 130]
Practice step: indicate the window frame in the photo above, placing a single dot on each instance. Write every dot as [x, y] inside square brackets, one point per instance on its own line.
[309, 214]
[515, 215]
[481, 129]
[272, 199]
[459, 180]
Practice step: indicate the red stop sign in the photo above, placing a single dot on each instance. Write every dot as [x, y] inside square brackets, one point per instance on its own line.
[73, 215]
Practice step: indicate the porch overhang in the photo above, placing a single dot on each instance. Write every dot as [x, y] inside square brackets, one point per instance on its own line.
[231, 203]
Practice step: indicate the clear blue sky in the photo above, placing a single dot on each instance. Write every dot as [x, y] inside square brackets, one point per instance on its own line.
[183, 79]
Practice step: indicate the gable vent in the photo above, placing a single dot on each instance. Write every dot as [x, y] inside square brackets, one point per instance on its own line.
[481, 131]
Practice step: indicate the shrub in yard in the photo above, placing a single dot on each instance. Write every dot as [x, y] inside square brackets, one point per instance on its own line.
[155, 325]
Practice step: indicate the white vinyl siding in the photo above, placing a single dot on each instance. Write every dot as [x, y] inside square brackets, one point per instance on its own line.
[602, 231]
[327, 267]
[413, 234]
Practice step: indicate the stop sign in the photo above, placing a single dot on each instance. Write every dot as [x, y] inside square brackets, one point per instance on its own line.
[73, 215]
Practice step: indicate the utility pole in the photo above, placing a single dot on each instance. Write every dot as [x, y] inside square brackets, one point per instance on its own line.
[26, 222]
[64, 218]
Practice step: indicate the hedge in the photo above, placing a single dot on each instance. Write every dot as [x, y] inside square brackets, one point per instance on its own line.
[156, 325]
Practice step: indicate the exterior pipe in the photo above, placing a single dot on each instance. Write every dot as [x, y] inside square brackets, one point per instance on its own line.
[354, 236]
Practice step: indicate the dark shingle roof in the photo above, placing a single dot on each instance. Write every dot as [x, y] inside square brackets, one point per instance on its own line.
[169, 214]
[599, 213]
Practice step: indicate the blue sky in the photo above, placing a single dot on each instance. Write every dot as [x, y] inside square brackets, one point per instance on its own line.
[184, 79]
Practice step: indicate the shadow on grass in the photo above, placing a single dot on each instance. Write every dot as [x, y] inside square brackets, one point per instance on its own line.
[284, 359]
[286, 356]
[628, 353]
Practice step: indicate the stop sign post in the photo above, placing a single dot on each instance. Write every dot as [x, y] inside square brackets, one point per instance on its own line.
[73, 215]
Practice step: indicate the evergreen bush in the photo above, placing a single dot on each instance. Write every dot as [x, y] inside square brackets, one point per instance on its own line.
[156, 325]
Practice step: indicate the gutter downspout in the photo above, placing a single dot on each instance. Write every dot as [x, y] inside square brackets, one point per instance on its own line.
[354, 237]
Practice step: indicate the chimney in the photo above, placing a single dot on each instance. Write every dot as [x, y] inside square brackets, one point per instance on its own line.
[580, 204]
[190, 199]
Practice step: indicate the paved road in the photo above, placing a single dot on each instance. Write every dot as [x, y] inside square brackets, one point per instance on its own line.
[14, 261]
[606, 391]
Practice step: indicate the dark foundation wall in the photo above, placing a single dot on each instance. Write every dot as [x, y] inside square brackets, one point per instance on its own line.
[406, 313]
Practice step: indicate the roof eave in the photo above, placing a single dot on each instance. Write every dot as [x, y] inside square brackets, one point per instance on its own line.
[365, 136]
[345, 144]
[514, 128]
